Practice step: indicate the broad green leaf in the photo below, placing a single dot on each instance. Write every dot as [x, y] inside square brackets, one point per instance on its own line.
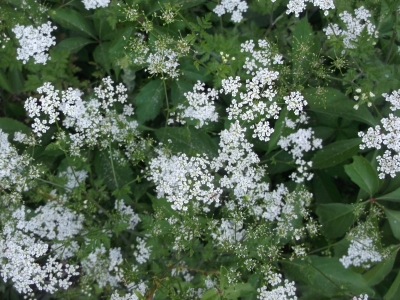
[117, 46]
[325, 191]
[149, 101]
[335, 218]
[188, 140]
[71, 19]
[223, 277]
[335, 153]
[102, 57]
[73, 44]
[178, 88]
[394, 221]
[394, 291]
[16, 79]
[326, 276]
[379, 272]
[5, 83]
[11, 126]
[393, 196]
[335, 103]
[363, 174]
[210, 295]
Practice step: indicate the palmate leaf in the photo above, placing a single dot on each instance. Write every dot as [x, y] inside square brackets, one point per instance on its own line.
[379, 272]
[394, 221]
[335, 103]
[363, 174]
[335, 153]
[336, 218]
[71, 19]
[73, 44]
[394, 290]
[393, 196]
[327, 277]
[149, 101]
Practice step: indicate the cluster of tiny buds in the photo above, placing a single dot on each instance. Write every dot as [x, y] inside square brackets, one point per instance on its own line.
[363, 97]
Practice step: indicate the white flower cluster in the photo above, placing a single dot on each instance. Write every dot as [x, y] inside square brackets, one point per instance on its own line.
[251, 106]
[16, 171]
[93, 4]
[104, 268]
[182, 179]
[234, 7]
[228, 232]
[127, 214]
[298, 6]
[74, 178]
[287, 291]
[164, 62]
[34, 42]
[355, 26]
[361, 297]
[19, 252]
[295, 102]
[298, 143]
[141, 252]
[134, 288]
[200, 107]
[387, 134]
[53, 221]
[95, 122]
[237, 159]
[363, 246]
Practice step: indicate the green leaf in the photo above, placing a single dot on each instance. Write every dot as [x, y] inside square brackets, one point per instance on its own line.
[326, 276]
[150, 100]
[393, 196]
[71, 19]
[188, 140]
[379, 272]
[117, 46]
[335, 218]
[73, 44]
[178, 88]
[394, 221]
[5, 83]
[102, 57]
[11, 126]
[223, 277]
[363, 174]
[335, 103]
[325, 191]
[210, 295]
[335, 153]
[394, 291]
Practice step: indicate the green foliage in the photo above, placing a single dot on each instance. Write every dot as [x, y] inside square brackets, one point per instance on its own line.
[269, 208]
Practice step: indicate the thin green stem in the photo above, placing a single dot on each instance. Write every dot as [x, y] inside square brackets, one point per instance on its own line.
[394, 35]
[167, 101]
[112, 166]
